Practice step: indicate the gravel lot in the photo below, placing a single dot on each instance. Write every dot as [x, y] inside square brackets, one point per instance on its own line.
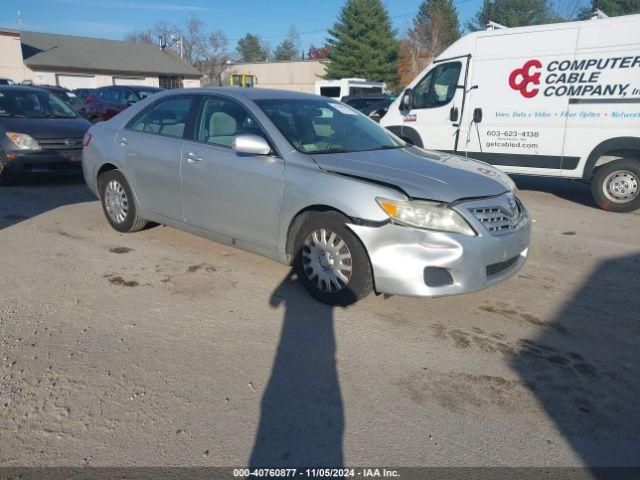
[161, 348]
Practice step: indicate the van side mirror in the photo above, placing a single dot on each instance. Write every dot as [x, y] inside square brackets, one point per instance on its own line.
[251, 144]
[407, 99]
[477, 115]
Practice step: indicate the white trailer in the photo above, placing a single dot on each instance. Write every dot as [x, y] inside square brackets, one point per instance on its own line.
[558, 100]
[348, 86]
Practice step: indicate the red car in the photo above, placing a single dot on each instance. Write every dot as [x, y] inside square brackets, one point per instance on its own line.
[103, 103]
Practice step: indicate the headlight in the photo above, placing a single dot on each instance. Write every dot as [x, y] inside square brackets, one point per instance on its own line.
[429, 215]
[23, 141]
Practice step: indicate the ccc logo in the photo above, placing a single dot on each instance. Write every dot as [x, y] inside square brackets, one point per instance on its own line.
[520, 78]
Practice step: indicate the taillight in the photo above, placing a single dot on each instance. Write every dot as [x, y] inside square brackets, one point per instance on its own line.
[87, 139]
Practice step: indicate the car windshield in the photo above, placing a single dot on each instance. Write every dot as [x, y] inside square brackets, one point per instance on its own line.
[324, 126]
[31, 104]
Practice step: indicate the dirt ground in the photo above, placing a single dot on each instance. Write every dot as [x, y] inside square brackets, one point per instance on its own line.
[162, 348]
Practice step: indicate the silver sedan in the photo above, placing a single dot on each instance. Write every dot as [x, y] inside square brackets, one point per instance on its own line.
[310, 182]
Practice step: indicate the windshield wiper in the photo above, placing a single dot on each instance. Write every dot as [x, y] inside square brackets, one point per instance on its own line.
[390, 147]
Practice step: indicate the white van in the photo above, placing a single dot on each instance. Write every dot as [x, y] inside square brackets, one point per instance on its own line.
[338, 89]
[558, 100]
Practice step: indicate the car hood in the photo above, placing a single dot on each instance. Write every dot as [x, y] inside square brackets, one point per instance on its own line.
[420, 173]
[47, 127]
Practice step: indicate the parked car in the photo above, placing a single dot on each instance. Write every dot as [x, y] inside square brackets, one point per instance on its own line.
[6, 81]
[363, 102]
[356, 209]
[374, 106]
[340, 88]
[550, 100]
[67, 96]
[103, 103]
[39, 133]
[83, 93]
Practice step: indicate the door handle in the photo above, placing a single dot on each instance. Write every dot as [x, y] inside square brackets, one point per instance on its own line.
[124, 141]
[192, 157]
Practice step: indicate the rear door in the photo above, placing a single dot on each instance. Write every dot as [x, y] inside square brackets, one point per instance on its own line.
[150, 148]
[523, 122]
[437, 104]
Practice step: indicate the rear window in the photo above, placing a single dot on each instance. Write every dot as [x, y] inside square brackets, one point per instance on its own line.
[333, 92]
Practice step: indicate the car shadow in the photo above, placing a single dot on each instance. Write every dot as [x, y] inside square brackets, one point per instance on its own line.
[301, 416]
[584, 368]
[30, 197]
[572, 190]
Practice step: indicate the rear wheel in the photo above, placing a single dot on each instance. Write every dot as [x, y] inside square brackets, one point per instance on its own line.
[118, 204]
[616, 185]
[331, 262]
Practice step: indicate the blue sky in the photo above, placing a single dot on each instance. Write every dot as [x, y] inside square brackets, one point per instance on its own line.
[268, 18]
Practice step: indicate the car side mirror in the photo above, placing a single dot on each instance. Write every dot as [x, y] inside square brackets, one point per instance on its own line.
[477, 115]
[251, 144]
[407, 99]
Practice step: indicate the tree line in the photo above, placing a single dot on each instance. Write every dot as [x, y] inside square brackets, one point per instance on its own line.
[362, 42]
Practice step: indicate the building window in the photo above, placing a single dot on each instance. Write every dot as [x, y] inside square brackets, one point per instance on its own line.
[170, 83]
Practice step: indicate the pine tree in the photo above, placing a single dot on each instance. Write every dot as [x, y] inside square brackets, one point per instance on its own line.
[250, 49]
[513, 13]
[289, 48]
[613, 8]
[362, 43]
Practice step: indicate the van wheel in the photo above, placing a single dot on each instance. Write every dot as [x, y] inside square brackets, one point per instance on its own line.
[616, 185]
[331, 262]
[118, 204]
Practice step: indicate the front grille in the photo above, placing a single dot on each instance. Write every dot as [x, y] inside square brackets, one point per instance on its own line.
[71, 143]
[500, 219]
[496, 268]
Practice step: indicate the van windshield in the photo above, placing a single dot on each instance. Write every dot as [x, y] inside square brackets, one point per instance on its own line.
[323, 126]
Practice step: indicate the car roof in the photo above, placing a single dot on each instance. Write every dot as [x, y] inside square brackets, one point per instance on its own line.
[254, 93]
[19, 88]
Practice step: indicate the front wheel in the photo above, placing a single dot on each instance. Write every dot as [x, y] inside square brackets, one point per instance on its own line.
[616, 185]
[331, 262]
[118, 204]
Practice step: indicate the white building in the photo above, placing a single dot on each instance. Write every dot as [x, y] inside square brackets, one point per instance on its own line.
[81, 62]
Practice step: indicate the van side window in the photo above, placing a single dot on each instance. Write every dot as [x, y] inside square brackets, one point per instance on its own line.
[167, 117]
[438, 87]
[221, 120]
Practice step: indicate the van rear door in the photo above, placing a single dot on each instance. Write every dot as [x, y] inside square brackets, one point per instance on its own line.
[522, 129]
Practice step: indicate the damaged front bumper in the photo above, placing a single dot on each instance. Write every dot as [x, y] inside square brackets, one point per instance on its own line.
[426, 263]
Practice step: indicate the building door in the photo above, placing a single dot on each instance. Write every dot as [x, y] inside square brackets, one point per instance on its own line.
[76, 81]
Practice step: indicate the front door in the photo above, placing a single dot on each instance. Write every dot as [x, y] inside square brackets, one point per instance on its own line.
[437, 105]
[233, 194]
[149, 148]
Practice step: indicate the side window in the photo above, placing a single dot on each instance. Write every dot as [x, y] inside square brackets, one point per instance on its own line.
[438, 87]
[110, 95]
[221, 120]
[168, 117]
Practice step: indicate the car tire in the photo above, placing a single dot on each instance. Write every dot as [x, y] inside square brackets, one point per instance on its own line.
[333, 266]
[5, 177]
[118, 202]
[616, 185]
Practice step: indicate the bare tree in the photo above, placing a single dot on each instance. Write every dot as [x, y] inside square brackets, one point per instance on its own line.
[216, 57]
[419, 47]
[139, 37]
[194, 40]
